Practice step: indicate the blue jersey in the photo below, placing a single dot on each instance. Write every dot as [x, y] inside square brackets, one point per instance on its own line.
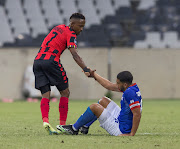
[131, 99]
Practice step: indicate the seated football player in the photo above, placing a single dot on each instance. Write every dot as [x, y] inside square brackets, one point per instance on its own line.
[116, 121]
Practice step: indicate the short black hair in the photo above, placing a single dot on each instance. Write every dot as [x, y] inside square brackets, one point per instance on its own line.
[125, 77]
[77, 16]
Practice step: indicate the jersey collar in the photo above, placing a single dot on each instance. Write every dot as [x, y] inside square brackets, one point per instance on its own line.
[71, 30]
[132, 84]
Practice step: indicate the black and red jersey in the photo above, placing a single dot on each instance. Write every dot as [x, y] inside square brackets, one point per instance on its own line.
[54, 44]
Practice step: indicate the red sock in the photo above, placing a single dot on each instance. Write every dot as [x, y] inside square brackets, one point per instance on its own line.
[63, 110]
[45, 109]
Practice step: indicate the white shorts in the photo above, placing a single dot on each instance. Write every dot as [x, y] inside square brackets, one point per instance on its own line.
[108, 119]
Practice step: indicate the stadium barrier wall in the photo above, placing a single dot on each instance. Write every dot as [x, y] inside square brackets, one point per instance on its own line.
[155, 71]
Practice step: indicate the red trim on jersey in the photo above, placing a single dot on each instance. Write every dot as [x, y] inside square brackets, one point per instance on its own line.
[132, 84]
[133, 103]
[135, 107]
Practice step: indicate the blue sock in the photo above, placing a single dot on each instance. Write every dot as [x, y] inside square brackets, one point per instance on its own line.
[84, 118]
[94, 119]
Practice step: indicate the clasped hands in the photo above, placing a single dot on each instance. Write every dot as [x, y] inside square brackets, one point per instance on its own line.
[89, 72]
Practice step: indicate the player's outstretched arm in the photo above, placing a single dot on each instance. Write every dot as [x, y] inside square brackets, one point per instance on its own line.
[106, 83]
[79, 60]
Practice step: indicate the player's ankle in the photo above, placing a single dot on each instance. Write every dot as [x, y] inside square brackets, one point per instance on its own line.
[74, 128]
[62, 122]
[85, 126]
[45, 119]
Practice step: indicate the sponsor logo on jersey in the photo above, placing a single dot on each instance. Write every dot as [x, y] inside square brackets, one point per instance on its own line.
[138, 93]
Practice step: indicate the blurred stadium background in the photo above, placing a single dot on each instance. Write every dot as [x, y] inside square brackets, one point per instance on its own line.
[141, 36]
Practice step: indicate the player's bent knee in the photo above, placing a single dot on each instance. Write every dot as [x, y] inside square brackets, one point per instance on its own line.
[104, 101]
[94, 106]
[97, 109]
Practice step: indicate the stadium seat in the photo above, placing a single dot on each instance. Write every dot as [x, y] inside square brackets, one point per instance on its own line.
[67, 7]
[34, 15]
[153, 39]
[5, 32]
[51, 13]
[124, 13]
[96, 36]
[147, 27]
[111, 20]
[142, 17]
[16, 17]
[145, 4]
[113, 31]
[121, 3]
[161, 3]
[140, 45]
[90, 13]
[135, 36]
[163, 28]
[115, 22]
[105, 8]
[171, 39]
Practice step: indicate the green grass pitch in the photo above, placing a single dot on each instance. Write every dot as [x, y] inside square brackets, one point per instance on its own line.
[21, 128]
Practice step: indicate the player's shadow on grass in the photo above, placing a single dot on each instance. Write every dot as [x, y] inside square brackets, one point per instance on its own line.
[88, 135]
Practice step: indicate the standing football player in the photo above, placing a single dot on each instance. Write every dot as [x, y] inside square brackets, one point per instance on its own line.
[116, 121]
[49, 71]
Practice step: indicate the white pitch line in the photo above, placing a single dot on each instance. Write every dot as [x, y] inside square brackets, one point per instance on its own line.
[147, 133]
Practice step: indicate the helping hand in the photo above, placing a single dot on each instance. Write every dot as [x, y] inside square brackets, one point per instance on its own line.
[88, 72]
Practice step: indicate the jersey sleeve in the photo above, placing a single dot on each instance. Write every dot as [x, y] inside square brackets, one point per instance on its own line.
[132, 100]
[71, 40]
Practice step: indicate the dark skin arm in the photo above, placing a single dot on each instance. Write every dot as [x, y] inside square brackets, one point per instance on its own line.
[77, 58]
[136, 120]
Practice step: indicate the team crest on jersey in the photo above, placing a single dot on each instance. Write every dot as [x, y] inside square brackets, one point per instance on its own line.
[138, 93]
[75, 41]
[131, 101]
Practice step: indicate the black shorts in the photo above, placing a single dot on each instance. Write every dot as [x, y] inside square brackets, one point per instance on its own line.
[49, 72]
